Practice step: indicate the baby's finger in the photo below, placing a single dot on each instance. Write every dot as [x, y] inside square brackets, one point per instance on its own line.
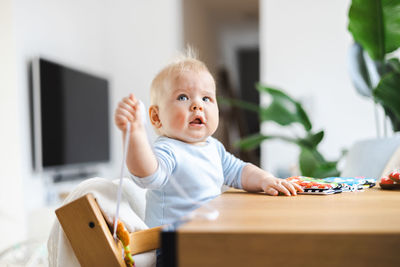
[282, 189]
[271, 191]
[298, 187]
[126, 106]
[121, 121]
[290, 187]
[130, 101]
[132, 97]
[125, 113]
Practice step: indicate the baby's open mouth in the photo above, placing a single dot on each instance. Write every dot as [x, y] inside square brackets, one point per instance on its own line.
[197, 121]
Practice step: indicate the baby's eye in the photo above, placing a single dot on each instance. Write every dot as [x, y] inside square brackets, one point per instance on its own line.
[182, 97]
[206, 99]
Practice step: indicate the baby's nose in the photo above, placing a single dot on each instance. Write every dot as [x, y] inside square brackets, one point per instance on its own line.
[196, 107]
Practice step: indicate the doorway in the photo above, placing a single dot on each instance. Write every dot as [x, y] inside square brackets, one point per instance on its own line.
[226, 35]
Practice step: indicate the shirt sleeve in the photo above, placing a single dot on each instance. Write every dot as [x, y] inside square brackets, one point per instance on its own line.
[232, 167]
[166, 165]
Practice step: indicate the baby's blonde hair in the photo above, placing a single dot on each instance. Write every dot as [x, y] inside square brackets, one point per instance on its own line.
[184, 62]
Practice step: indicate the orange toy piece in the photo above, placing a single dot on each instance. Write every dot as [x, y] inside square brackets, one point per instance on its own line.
[123, 235]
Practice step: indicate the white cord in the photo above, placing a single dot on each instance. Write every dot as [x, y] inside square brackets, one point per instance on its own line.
[125, 152]
[119, 193]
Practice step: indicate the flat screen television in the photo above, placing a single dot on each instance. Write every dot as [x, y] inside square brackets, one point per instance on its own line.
[70, 116]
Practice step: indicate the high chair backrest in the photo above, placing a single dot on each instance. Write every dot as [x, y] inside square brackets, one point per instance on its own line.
[91, 239]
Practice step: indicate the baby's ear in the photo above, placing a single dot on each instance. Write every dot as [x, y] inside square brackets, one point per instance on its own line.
[154, 118]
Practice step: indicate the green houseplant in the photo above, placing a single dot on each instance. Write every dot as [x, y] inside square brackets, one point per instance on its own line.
[375, 71]
[285, 111]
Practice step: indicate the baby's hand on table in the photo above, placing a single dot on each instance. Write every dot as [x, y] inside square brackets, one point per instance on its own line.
[273, 186]
[128, 110]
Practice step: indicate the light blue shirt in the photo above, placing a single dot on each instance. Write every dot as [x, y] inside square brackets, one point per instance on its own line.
[200, 170]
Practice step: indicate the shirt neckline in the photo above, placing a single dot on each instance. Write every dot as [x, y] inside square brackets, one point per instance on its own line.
[206, 142]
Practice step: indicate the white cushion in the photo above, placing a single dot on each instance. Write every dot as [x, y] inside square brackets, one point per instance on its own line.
[370, 157]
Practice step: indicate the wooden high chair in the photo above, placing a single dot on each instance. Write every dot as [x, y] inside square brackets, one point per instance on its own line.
[91, 238]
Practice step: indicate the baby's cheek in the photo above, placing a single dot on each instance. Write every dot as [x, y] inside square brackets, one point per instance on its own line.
[213, 118]
[178, 120]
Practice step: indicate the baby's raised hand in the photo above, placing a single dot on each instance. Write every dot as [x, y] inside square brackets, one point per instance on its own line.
[273, 186]
[128, 110]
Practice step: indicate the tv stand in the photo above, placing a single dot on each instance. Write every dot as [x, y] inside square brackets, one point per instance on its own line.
[62, 177]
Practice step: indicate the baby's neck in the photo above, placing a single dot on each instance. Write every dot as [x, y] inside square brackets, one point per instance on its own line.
[196, 143]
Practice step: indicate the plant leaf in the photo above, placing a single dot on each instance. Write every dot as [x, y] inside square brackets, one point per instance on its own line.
[313, 167]
[276, 93]
[375, 24]
[394, 120]
[388, 94]
[394, 64]
[251, 142]
[391, 15]
[240, 103]
[278, 113]
[255, 140]
[315, 139]
[366, 25]
[327, 169]
[358, 70]
[303, 117]
[283, 109]
[304, 143]
[307, 162]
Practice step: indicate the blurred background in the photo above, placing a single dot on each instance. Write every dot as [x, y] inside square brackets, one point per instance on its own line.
[298, 46]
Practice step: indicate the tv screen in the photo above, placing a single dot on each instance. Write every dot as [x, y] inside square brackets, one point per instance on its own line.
[71, 116]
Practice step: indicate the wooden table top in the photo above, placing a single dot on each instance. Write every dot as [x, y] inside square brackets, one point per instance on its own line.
[347, 229]
[373, 211]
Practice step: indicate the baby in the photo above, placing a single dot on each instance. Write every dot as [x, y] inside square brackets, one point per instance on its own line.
[184, 113]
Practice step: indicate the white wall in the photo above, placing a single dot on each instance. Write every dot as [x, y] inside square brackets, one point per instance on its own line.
[12, 227]
[126, 41]
[304, 46]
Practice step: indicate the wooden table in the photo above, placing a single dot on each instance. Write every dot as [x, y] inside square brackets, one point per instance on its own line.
[347, 229]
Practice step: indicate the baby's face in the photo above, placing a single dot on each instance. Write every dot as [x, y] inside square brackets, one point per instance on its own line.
[188, 111]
